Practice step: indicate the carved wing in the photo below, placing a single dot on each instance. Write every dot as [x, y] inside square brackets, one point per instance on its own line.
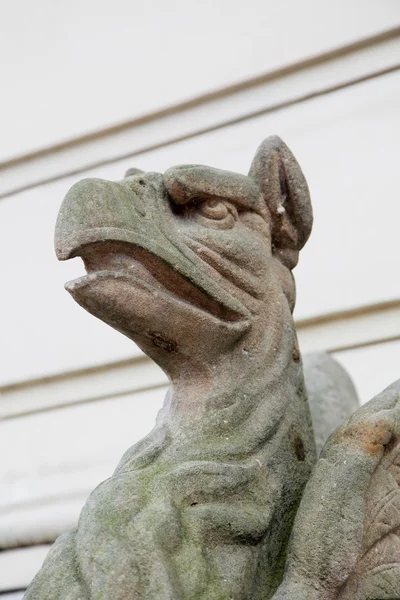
[377, 571]
[345, 543]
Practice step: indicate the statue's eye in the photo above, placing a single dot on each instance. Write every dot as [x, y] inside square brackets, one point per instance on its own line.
[213, 209]
[218, 214]
[224, 213]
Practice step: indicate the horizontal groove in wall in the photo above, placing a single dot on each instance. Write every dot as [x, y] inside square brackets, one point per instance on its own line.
[84, 372]
[351, 329]
[366, 344]
[19, 566]
[56, 404]
[325, 74]
[339, 331]
[228, 90]
[349, 313]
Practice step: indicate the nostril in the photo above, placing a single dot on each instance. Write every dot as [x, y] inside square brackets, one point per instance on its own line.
[140, 209]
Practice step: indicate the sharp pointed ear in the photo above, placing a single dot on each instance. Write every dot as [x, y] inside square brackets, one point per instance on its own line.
[287, 196]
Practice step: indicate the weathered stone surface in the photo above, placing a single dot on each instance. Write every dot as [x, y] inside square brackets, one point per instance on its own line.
[195, 266]
[346, 538]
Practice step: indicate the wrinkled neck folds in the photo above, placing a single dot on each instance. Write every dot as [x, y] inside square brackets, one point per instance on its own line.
[264, 363]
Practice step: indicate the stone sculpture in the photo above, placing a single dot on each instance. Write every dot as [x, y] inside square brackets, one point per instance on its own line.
[195, 266]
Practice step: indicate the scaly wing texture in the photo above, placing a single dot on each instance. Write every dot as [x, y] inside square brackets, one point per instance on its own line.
[377, 572]
[345, 543]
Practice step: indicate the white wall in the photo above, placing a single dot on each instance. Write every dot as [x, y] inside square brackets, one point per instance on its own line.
[76, 66]
[67, 379]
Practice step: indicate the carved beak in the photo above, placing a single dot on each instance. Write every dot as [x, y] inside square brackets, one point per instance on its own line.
[136, 217]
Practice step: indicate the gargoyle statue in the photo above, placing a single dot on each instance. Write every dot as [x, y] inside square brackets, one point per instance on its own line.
[195, 266]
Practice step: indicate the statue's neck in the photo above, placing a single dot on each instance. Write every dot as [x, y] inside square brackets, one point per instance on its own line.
[231, 408]
[262, 365]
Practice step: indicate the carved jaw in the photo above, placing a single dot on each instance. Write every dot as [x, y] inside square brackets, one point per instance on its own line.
[143, 297]
[131, 263]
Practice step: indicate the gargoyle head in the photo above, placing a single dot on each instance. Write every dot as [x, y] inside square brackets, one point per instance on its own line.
[188, 262]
